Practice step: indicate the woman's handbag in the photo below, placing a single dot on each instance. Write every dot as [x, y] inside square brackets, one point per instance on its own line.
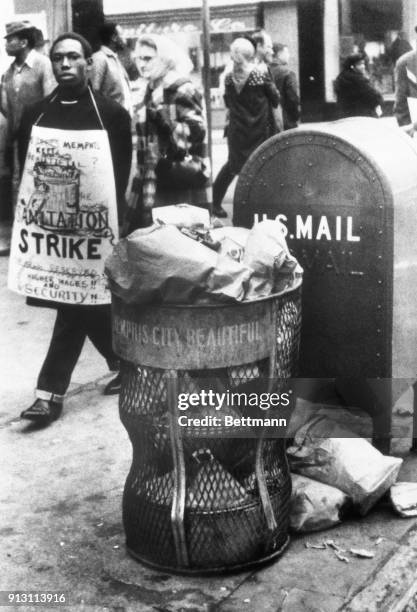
[188, 173]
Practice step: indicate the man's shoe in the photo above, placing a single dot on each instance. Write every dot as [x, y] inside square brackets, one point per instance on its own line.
[113, 387]
[43, 412]
[219, 212]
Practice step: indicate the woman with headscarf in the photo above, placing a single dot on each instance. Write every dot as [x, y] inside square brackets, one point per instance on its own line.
[355, 94]
[250, 95]
[172, 158]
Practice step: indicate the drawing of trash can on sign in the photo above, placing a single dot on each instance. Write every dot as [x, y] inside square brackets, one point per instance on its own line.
[57, 181]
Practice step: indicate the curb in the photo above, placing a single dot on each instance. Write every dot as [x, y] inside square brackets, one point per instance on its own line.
[89, 386]
[393, 584]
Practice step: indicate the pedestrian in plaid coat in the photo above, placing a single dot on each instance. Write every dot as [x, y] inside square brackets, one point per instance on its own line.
[171, 131]
[406, 88]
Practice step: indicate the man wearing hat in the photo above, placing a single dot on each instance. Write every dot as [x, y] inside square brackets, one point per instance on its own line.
[28, 79]
[406, 87]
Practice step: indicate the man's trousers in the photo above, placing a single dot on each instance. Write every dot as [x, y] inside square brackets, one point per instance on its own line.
[72, 326]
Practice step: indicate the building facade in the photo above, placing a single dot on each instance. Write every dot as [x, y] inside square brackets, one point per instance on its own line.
[319, 33]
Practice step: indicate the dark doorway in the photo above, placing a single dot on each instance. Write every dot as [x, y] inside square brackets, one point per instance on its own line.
[311, 50]
[87, 16]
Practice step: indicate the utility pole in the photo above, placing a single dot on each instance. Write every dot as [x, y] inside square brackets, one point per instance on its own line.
[206, 71]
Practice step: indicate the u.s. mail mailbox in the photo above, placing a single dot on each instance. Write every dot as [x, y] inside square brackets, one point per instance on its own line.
[346, 192]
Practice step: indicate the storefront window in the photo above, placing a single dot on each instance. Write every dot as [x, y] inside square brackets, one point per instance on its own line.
[188, 36]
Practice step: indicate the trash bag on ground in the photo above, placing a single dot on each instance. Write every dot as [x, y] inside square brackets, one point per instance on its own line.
[329, 453]
[315, 505]
[354, 419]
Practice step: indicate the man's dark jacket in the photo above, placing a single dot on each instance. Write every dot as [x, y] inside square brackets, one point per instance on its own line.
[286, 82]
[405, 86]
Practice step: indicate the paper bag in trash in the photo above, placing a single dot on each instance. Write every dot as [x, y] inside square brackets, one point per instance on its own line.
[160, 264]
[267, 255]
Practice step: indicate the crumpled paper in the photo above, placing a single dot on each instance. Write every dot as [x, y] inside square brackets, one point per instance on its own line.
[160, 264]
[274, 269]
[314, 505]
[404, 498]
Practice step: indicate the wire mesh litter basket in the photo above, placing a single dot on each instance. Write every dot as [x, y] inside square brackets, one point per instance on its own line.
[207, 497]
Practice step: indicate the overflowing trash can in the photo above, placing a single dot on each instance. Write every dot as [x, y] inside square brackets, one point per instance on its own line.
[199, 498]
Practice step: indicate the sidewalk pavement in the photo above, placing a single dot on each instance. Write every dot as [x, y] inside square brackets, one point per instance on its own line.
[61, 522]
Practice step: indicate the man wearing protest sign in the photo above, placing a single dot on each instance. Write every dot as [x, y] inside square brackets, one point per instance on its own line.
[77, 146]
